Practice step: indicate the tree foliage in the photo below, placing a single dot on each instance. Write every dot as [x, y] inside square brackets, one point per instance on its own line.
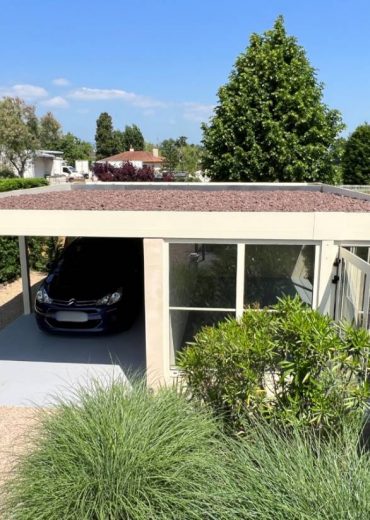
[133, 138]
[356, 157]
[180, 155]
[110, 141]
[50, 131]
[74, 148]
[270, 123]
[292, 365]
[171, 153]
[104, 136]
[18, 132]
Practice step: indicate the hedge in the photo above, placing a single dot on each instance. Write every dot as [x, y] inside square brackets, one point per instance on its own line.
[21, 184]
[41, 249]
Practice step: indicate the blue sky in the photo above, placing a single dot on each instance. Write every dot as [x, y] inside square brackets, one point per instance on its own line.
[159, 64]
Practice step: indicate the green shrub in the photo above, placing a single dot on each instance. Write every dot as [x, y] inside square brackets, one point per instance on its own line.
[295, 476]
[41, 251]
[21, 184]
[288, 363]
[6, 172]
[115, 454]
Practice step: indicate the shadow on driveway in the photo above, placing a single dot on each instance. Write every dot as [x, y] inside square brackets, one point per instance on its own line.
[35, 366]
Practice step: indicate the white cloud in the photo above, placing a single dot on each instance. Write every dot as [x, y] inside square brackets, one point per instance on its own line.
[61, 82]
[197, 111]
[55, 102]
[25, 91]
[99, 94]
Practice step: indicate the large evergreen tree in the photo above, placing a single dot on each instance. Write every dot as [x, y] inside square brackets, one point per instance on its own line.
[356, 156]
[270, 123]
[104, 138]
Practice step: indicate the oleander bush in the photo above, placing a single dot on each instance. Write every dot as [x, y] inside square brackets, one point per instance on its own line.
[20, 184]
[287, 363]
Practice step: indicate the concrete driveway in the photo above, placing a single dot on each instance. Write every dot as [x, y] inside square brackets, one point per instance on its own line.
[35, 367]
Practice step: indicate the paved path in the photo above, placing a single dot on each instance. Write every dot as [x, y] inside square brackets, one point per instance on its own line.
[35, 366]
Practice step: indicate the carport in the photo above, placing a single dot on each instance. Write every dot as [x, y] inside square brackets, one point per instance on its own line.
[196, 233]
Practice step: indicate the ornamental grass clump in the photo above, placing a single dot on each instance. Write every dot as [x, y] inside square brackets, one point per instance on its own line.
[295, 475]
[115, 453]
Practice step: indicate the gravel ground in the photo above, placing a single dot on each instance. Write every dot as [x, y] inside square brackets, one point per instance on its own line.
[11, 301]
[186, 200]
[15, 424]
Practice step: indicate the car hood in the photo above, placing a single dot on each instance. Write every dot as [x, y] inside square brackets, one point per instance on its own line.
[80, 285]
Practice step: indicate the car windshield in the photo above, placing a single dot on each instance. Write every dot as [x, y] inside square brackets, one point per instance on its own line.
[103, 253]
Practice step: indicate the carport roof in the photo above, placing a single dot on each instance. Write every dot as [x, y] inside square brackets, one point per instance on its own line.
[184, 197]
[181, 211]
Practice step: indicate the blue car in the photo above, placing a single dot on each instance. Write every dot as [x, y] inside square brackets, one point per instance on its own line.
[95, 286]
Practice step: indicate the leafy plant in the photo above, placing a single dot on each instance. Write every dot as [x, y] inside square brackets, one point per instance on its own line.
[6, 172]
[118, 453]
[356, 156]
[287, 363]
[290, 475]
[270, 123]
[106, 172]
[41, 250]
[21, 184]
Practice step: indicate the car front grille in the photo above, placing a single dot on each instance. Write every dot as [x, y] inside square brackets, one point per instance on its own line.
[75, 303]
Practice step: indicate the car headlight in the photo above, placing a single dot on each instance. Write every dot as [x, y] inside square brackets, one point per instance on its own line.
[110, 299]
[42, 296]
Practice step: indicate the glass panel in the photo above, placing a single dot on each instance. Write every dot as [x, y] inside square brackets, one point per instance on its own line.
[272, 271]
[353, 294]
[203, 275]
[361, 251]
[185, 324]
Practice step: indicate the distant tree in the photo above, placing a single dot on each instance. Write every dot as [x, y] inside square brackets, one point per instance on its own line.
[74, 148]
[190, 160]
[337, 151]
[170, 150]
[119, 142]
[50, 132]
[356, 156]
[181, 141]
[133, 138]
[104, 136]
[270, 123]
[148, 147]
[18, 132]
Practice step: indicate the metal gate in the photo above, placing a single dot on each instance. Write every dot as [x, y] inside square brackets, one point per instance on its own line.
[352, 295]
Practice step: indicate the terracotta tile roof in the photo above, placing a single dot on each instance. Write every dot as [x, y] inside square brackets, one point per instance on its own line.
[146, 157]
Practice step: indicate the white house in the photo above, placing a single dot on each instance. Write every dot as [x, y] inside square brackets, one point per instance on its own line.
[137, 158]
[44, 163]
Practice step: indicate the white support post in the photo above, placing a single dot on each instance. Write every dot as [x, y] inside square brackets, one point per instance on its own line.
[240, 268]
[25, 273]
[325, 289]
